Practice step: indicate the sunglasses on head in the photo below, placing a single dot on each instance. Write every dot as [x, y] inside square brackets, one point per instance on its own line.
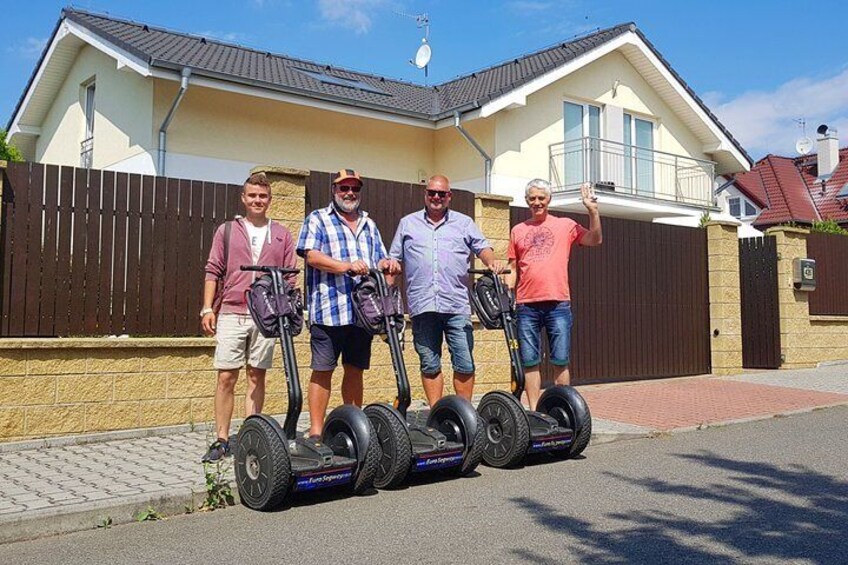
[439, 193]
[348, 188]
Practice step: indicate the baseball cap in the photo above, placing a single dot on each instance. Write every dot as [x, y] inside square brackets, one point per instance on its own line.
[347, 175]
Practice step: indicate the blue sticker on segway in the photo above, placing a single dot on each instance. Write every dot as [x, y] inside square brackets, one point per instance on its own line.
[552, 443]
[323, 479]
[438, 461]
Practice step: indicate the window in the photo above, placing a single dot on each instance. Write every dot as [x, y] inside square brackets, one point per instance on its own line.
[582, 143]
[87, 145]
[750, 210]
[639, 155]
[734, 207]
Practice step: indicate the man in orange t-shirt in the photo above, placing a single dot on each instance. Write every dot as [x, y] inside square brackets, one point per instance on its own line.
[538, 254]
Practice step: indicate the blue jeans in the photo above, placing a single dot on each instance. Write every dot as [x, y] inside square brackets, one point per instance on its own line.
[427, 331]
[557, 319]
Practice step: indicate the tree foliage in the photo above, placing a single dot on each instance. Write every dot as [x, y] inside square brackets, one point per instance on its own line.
[8, 152]
[828, 226]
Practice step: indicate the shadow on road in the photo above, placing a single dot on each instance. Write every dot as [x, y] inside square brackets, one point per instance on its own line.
[767, 512]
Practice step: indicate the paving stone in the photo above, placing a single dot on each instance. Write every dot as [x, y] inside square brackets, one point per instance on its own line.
[12, 509]
[36, 504]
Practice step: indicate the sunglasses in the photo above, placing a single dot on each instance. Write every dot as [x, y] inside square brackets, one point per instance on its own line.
[439, 193]
[348, 188]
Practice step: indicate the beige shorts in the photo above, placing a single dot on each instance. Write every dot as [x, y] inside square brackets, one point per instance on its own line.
[239, 341]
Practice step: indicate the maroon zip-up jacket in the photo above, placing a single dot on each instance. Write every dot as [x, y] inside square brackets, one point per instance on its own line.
[277, 250]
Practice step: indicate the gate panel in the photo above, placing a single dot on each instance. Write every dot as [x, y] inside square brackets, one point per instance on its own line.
[760, 311]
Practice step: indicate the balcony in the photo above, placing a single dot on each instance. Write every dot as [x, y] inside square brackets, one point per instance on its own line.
[86, 153]
[631, 171]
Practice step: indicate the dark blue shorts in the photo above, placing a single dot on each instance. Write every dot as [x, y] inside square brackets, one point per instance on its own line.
[328, 342]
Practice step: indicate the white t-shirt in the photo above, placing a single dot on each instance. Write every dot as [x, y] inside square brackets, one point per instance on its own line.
[257, 236]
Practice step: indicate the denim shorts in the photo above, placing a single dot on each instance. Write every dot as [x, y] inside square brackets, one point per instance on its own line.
[556, 318]
[427, 331]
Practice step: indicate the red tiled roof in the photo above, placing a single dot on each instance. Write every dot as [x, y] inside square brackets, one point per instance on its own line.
[787, 188]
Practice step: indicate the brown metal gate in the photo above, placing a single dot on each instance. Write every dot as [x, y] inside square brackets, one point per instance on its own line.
[640, 302]
[760, 314]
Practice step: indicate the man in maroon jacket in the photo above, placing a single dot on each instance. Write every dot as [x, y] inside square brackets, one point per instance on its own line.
[253, 240]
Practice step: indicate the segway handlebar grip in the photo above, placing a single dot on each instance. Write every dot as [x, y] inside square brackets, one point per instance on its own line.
[269, 269]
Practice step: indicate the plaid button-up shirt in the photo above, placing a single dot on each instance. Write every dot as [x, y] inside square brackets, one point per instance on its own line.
[330, 294]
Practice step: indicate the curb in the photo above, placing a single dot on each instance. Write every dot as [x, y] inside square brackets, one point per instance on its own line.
[91, 515]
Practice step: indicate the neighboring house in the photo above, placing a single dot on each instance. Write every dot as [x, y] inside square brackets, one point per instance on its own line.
[800, 190]
[606, 107]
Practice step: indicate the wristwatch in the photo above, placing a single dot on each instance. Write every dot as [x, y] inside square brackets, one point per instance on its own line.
[206, 311]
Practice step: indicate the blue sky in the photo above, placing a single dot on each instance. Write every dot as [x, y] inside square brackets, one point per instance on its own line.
[758, 65]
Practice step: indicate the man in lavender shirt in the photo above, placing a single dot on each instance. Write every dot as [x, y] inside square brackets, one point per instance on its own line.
[435, 246]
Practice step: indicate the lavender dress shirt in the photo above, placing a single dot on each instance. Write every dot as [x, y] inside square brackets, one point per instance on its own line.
[436, 259]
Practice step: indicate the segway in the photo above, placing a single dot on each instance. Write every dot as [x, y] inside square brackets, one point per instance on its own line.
[561, 424]
[270, 460]
[452, 441]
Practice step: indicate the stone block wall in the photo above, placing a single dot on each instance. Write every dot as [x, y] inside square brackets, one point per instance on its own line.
[724, 292]
[805, 340]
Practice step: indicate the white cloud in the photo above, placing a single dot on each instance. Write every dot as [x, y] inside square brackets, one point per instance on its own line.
[352, 14]
[764, 121]
[30, 48]
[227, 36]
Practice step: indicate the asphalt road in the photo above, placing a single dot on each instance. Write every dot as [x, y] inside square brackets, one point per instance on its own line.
[764, 492]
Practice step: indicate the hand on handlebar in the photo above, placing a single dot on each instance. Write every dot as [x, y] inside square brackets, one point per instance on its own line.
[389, 266]
[358, 267]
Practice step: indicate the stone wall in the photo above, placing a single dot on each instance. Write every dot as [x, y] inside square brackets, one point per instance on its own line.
[805, 340]
[725, 308]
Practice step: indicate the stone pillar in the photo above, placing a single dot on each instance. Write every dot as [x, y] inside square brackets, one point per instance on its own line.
[491, 213]
[288, 198]
[793, 305]
[725, 298]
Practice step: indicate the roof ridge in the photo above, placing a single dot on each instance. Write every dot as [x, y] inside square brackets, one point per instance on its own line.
[539, 51]
[265, 52]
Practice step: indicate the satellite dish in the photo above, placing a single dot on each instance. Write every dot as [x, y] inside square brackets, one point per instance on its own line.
[804, 145]
[422, 56]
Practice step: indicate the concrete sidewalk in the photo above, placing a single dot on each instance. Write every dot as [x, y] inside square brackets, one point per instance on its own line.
[75, 483]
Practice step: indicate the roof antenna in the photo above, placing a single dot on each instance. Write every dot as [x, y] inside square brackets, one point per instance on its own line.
[804, 144]
[424, 53]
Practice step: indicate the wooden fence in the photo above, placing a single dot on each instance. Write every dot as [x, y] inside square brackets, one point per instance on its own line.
[831, 254]
[640, 301]
[88, 252]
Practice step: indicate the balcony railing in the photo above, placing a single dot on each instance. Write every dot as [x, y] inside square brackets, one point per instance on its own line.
[86, 153]
[631, 170]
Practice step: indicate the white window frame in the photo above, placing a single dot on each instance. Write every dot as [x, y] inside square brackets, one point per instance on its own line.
[743, 203]
[631, 147]
[585, 130]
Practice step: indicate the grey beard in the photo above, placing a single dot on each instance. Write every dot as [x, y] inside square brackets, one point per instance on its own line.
[344, 205]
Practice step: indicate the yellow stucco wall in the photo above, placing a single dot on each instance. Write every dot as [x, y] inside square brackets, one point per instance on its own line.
[523, 134]
[223, 125]
[123, 113]
[456, 158]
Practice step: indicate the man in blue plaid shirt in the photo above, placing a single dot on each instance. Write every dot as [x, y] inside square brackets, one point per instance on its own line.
[335, 241]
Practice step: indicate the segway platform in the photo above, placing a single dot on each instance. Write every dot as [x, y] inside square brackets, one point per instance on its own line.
[546, 434]
[432, 450]
[314, 466]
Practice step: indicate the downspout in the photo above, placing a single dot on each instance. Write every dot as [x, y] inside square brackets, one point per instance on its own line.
[487, 161]
[163, 130]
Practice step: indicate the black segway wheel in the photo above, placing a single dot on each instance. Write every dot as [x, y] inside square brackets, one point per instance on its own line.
[569, 409]
[507, 429]
[262, 463]
[456, 418]
[348, 433]
[396, 448]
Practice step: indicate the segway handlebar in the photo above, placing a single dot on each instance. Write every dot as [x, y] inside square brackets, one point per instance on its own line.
[269, 269]
[487, 271]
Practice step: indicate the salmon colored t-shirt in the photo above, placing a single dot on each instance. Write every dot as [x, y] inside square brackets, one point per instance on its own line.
[541, 252]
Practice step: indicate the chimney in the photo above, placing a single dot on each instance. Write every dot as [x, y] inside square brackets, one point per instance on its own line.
[828, 152]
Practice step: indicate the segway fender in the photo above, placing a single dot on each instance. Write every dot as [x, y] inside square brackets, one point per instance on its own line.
[580, 410]
[466, 412]
[359, 425]
[275, 425]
